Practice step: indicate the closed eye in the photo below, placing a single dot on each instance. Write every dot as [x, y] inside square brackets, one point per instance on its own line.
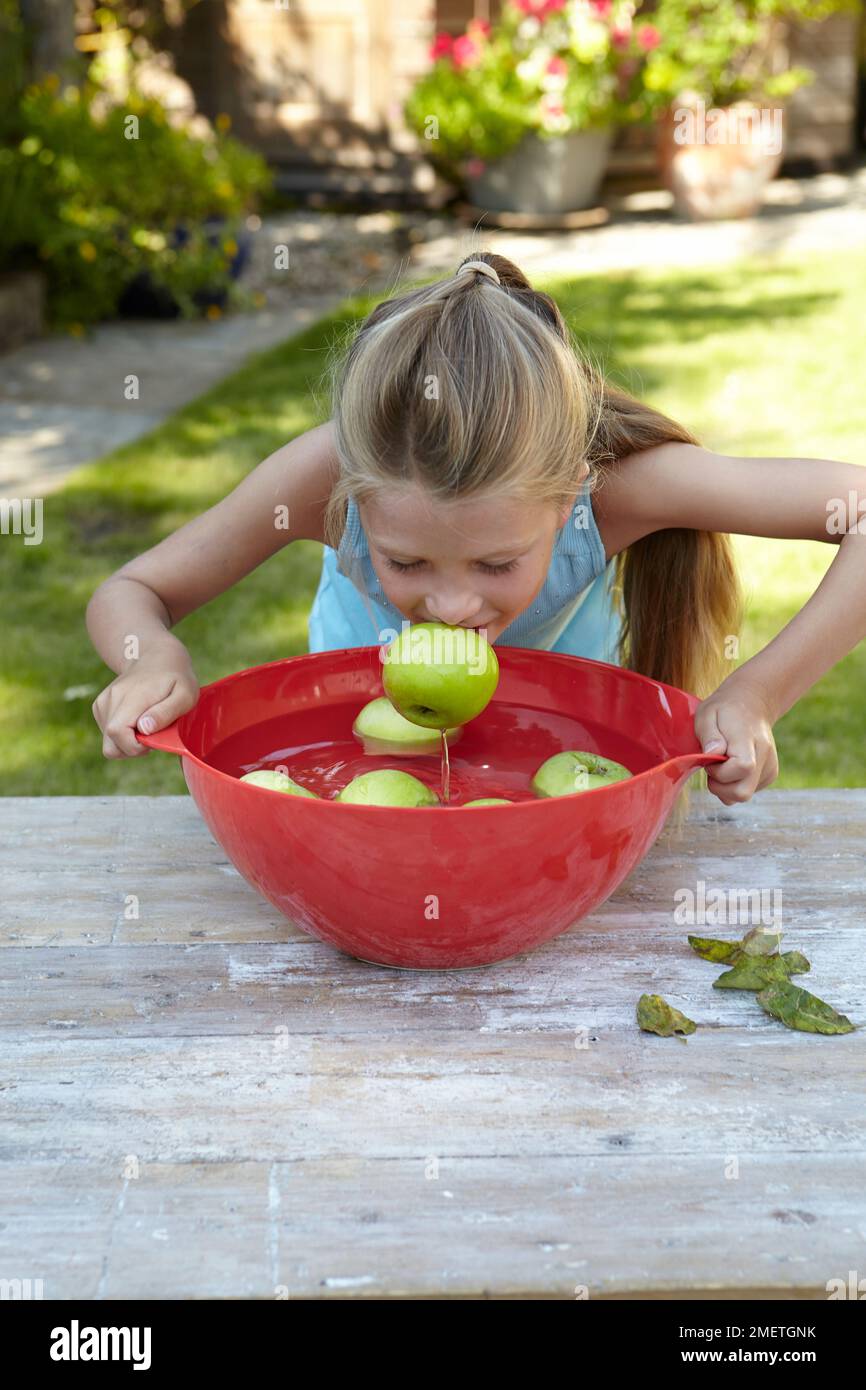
[416, 564]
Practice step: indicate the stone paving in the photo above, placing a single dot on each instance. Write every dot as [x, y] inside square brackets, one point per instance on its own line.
[62, 399]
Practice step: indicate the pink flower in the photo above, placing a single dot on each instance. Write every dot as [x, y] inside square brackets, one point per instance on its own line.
[441, 45]
[602, 7]
[474, 168]
[557, 67]
[623, 77]
[539, 9]
[620, 37]
[648, 37]
[465, 52]
[552, 113]
[478, 29]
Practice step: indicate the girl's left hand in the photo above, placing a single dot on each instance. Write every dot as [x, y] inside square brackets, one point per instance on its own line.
[737, 722]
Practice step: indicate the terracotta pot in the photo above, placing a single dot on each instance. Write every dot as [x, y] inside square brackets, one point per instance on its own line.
[717, 161]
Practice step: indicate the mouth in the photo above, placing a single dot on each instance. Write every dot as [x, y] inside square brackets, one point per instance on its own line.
[467, 627]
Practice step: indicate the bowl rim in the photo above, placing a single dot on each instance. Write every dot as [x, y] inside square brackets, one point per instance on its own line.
[697, 757]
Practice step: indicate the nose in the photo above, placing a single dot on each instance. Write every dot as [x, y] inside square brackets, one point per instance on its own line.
[452, 608]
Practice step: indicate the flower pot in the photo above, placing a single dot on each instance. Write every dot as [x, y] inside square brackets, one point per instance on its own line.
[559, 174]
[717, 161]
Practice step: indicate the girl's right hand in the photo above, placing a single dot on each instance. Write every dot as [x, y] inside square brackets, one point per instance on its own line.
[158, 687]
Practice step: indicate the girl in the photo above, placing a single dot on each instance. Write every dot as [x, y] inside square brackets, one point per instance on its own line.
[479, 471]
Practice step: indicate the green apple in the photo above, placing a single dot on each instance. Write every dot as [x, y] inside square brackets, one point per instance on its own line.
[490, 801]
[574, 771]
[382, 729]
[438, 675]
[277, 782]
[387, 786]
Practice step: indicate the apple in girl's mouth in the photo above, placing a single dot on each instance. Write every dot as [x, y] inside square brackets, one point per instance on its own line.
[439, 675]
[573, 771]
[387, 786]
[382, 729]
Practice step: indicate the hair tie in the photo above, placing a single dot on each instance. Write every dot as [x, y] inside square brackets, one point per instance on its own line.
[479, 265]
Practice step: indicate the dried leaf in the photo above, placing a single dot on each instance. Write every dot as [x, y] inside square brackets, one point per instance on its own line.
[655, 1015]
[756, 972]
[711, 948]
[795, 962]
[797, 1008]
[757, 943]
[762, 941]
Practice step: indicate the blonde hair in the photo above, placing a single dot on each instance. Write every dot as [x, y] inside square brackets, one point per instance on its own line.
[522, 411]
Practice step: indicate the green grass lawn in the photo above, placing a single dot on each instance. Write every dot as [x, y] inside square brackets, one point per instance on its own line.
[758, 358]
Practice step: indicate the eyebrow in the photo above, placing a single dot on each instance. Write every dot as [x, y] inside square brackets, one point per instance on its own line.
[497, 558]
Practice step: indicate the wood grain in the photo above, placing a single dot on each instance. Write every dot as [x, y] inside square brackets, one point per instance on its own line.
[204, 1102]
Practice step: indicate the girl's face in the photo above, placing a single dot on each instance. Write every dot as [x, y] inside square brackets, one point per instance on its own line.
[474, 563]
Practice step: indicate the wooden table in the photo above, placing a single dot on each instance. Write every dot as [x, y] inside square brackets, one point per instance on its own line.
[198, 1100]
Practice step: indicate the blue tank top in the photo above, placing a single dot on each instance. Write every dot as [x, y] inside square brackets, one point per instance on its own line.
[573, 612]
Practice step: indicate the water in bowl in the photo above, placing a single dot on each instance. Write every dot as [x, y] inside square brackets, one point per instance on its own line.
[496, 755]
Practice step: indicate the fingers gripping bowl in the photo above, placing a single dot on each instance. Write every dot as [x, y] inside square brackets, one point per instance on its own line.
[438, 886]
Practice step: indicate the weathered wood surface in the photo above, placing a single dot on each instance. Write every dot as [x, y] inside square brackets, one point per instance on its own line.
[202, 1101]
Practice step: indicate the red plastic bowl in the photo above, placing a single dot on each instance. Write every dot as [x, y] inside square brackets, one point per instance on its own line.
[437, 887]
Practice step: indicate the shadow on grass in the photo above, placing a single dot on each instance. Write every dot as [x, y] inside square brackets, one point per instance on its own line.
[622, 315]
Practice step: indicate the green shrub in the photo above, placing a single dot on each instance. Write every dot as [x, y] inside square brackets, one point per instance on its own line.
[97, 199]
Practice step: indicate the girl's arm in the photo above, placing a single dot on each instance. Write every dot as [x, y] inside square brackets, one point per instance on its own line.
[682, 485]
[130, 615]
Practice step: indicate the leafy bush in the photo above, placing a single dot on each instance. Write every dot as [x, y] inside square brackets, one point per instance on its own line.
[724, 50]
[98, 199]
[546, 66]
[553, 66]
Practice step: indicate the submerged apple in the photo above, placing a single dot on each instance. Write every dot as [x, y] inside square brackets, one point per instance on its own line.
[387, 786]
[438, 675]
[573, 771]
[382, 729]
[490, 801]
[277, 782]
